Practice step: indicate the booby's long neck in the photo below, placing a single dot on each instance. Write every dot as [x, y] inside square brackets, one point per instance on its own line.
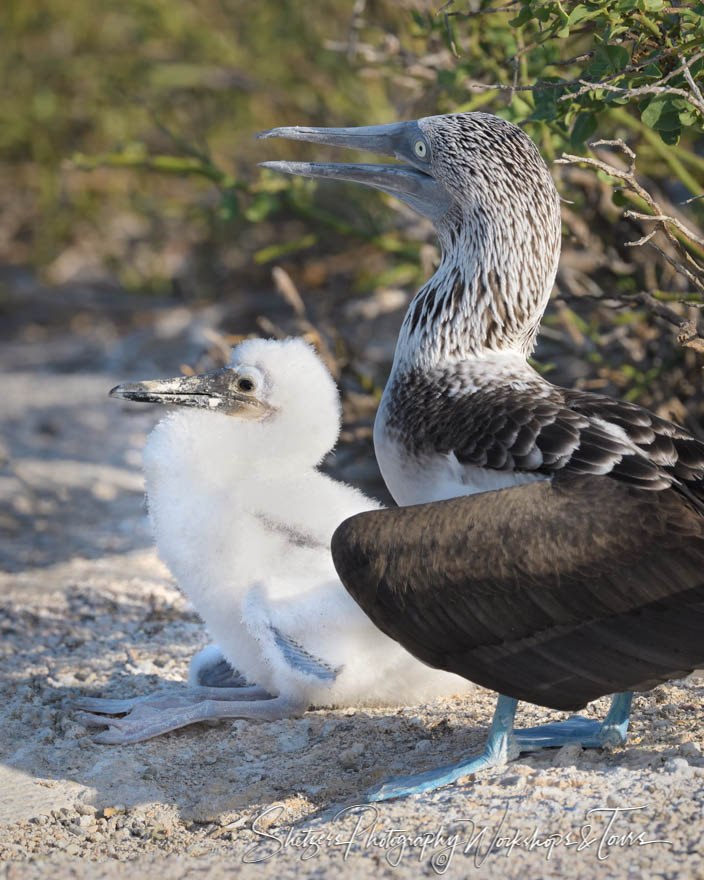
[490, 291]
[472, 326]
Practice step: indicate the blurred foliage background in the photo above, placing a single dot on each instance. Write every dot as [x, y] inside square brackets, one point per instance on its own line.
[127, 160]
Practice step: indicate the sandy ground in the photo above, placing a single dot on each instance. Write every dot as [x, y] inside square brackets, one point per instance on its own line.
[86, 608]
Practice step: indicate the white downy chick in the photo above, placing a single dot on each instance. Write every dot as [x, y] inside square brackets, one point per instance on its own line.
[243, 519]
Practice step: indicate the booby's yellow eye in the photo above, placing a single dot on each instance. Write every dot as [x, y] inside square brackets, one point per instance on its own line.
[420, 149]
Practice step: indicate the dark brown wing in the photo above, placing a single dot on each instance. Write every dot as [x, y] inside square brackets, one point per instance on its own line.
[500, 588]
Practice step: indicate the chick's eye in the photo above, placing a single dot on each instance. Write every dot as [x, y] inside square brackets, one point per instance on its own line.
[245, 384]
[420, 149]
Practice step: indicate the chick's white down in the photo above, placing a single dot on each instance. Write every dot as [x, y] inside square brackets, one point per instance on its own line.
[243, 519]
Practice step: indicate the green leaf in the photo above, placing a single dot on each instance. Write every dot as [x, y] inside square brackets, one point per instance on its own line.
[262, 205]
[600, 66]
[229, 206]
[606, 178]
[653, 5]
[653, 26]
[619, 198]
[276, 251]
[447, 78]
[523, 16]
[653, 70]
[618, 56]
[671, 137]
[661, 114]
[583, 13]
[584, 127]
[546, 106]
[688, 116]
[579, 13]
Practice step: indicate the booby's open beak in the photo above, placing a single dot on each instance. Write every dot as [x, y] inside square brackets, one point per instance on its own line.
[215, 390]
[412, 183]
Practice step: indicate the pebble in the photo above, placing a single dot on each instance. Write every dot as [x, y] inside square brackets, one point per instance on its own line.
[690, 750]
[677, 765]
[109, 812]
[349, 758]
[85, 809]
[295, 741]
[567, 756]
[513, 781]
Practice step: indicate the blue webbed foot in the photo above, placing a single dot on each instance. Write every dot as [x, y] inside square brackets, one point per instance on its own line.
[560, 733]
[500, 747]
[402, 786]
[505, 743]
[582, 731]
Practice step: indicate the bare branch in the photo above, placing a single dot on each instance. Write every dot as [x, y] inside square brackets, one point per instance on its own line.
[621, 145]
[450, 38]
[641, 241]
[636, 92]
[686, 265]
[664, 218]
[690, 79]
[688, 334]
[289, 291]
[654, 306]
[586, 86]
[689, 337]
[472, 13]
[697, 281]
[574, 60]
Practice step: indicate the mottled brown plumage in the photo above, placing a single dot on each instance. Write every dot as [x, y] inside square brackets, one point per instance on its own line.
[523, 424]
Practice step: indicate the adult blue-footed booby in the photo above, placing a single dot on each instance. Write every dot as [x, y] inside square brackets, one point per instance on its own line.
[579, 569]
[243, 519]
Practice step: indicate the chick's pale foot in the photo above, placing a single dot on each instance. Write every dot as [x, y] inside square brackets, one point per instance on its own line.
[168, 699]
[147, 720]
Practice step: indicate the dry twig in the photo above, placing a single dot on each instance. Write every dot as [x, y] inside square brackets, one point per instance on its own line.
[684, 262]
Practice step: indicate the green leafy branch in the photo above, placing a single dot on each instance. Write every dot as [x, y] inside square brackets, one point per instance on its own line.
[641, 53]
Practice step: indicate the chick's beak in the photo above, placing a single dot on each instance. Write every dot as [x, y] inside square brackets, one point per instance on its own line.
[211, 391]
